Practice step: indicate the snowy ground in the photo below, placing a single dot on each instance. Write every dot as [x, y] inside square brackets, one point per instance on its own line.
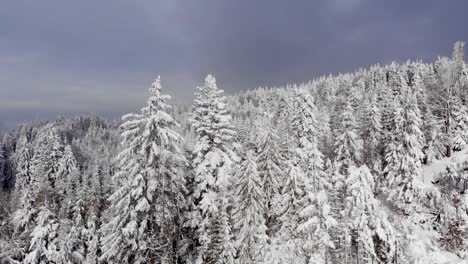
[423, 244]
[431, 171]
[425, 247]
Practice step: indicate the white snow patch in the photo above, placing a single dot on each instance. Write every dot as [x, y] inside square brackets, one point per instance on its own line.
[433, 170]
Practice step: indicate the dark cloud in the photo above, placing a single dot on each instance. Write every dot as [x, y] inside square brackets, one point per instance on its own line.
[100, 56]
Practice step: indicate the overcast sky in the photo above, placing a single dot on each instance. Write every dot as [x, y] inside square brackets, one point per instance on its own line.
[100, 56]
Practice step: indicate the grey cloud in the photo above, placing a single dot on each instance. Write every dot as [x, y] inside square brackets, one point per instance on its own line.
[100, 56]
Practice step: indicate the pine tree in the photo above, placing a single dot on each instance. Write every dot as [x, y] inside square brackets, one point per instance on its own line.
[73, 247]
[394, 153]
[373, 136]
[213, 159]
[249, 220]
[55, 154]
[270, 169]
[362, 214]
[7, 166]
[67, 179]
[317, 223]
[38, 174]
[459, 133]
[74, 240]
[292, 199]
[313, 205]
[347, 153]
[24, 167]
[305, 129]
[283, 113]
[24, 216]
[92, 240]
[44, 246]
[145, 208]
[95, 201]
[347, 143]
[48, 152]
[404, 157]
[434, 148]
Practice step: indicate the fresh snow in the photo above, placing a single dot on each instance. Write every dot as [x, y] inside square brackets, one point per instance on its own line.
[432, 171]
[423, 246]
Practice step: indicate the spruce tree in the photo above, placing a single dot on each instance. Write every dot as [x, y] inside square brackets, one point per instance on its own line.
[249, 213]
[373, 137]
[44, 246]
[145, 208]
[306, 135]
[91, 234]
[213, 158]
[459, 133]
[363, 215]
[404, 156]
[316, 226]
[432, 128]
[347, 142]
[292, 202]
[271, 172]
[39, 191]
[24, 167]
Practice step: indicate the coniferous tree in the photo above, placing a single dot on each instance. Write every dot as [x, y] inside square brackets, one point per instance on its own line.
[434, 148]
[40, 191]
[347, 153]
[364, 219]
[44, 245]
[306, 135]
[373, 137]
[24, 167]
[73, 246]
[347, 144]
[91, 236]
[145, 208]
[317, 223]
[213, 158]
[292, 199]
[249, 213]
[459, 133]
[67, 180]
[404, 156]
[270, 164]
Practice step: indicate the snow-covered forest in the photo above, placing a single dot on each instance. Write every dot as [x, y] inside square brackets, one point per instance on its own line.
[363, 167]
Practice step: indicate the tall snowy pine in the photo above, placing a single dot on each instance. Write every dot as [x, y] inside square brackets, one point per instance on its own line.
[213, 159]
[348, 144]
[404, 156]
[270, 164]
[145, 208]
[249, 221]
[365, 220]
[315, 218]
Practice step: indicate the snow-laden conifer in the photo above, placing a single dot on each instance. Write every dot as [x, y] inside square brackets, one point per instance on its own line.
[404, 157]
[347, 144]
[213, 158]
[363, 213]
[43, 247]
[271, 165]
[249, 212]
[145, 207]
